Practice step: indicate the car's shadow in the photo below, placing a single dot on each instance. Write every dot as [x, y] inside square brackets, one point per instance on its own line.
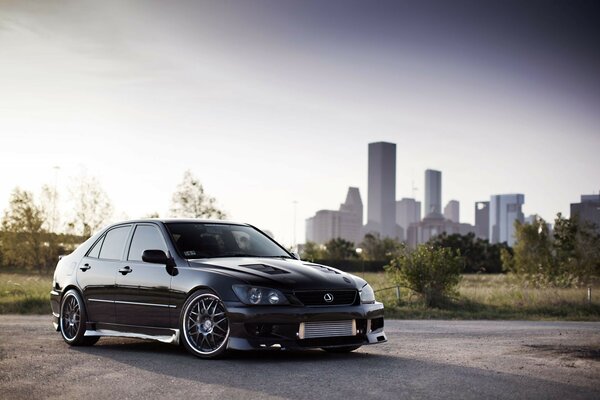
[114, 346]
[316, 373]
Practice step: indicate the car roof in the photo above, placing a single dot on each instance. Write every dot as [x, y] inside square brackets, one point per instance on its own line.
[179, 220]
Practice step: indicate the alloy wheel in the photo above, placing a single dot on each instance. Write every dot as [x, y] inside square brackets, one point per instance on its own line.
[205, 325]
[70, 319]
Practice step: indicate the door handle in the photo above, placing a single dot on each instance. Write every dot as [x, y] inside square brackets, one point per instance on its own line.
[85, 267]
[125, 270]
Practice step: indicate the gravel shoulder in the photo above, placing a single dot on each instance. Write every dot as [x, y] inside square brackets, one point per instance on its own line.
[423, 359]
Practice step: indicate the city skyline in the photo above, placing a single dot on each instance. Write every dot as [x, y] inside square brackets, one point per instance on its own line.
[272, 103]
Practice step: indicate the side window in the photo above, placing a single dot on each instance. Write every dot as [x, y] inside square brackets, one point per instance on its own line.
[95, 251]
[145, 237]
[114, 243]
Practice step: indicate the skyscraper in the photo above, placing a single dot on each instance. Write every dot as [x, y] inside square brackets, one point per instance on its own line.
[505, 209]
[482, 219]
[351, 213]
[452, 211]
[381, 207]
[588, 210]
[408, 211]
[331, 224]
[433, 193]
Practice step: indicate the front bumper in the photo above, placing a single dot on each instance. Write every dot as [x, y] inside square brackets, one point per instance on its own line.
[279, 326]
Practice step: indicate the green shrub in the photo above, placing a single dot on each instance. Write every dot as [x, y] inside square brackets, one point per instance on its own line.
[432, 272]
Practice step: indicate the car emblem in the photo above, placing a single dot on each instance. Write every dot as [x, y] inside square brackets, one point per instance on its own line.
[328, 297]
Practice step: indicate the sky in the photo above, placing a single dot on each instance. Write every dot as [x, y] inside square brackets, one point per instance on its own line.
[272, 104]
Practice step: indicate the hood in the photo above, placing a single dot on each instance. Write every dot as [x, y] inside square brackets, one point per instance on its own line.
[281, 273]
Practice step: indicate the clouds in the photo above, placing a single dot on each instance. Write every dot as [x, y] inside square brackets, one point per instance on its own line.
[279, 99]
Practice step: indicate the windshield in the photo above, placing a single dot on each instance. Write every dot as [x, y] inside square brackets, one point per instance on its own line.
[206, 240]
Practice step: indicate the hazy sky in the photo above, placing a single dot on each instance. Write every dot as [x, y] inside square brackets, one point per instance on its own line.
[271, 102]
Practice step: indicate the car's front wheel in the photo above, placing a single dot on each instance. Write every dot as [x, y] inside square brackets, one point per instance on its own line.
[204, 325]
[73, 319]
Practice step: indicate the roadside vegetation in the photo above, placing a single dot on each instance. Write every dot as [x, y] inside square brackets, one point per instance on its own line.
[25, 293]
[546, 275]
[491, 296]
[478, 296]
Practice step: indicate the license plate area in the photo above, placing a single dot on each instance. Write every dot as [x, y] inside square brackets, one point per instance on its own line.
[324, 329]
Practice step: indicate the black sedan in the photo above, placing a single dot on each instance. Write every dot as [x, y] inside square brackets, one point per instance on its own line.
[210, 285]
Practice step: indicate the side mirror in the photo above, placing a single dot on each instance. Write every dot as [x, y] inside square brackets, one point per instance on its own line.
[157, 257]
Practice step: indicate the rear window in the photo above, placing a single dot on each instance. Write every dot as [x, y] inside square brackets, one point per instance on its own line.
[114, 243]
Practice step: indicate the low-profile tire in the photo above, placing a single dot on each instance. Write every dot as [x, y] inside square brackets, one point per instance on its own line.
[204, 325]
[345, 349]
[73, 319]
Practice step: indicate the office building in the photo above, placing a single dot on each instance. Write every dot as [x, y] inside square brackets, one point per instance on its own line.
[344, 223]
[434, 225]
[433, 193]
[408, 211]
[505, 209]
[351, 216]
[381, 207]
[452, 211]
[588, 210]
[482, 219]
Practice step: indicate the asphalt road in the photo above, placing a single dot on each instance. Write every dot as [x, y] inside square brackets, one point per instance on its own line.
[423, 359]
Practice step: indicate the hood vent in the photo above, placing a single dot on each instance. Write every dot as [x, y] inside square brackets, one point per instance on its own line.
[267, 269]
[322, 268]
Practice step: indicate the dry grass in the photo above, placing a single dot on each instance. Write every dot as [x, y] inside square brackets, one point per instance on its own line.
[493, 297]
[480, 297]
[24, 293]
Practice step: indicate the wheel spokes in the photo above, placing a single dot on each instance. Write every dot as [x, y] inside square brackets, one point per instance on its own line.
[206, 324]
[71, 317]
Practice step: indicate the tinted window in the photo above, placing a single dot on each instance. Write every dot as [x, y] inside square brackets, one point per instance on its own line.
[207, 240]
[114, 243]
[146, 237]
[95, 251]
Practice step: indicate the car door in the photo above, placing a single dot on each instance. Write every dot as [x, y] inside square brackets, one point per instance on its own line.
[142, 289]
[97, 271]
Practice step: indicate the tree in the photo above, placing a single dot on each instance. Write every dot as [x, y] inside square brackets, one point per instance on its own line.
[22, 233]
[568, 256]
[190, 201]
[312, 251]
[91, 206]
[577, 248]
[48, 205]
[376, 249]
[478, 254]
[339, 249]
[431, 271]
[533, 257]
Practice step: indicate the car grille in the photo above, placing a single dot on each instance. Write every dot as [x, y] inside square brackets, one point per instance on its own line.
[317, 297]
[323, 329]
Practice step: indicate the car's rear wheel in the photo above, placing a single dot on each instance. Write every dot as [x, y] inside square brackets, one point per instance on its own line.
[345, 349]
[204, 325]
[73, 319]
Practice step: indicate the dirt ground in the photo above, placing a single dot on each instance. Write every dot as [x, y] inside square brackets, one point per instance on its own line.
[422, 359]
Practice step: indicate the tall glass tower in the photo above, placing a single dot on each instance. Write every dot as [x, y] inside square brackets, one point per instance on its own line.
[381, 207]
[504, 210]
[433, 193]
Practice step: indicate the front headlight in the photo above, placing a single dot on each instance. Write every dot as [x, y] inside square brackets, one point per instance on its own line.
[255, 295]
[367, 295]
